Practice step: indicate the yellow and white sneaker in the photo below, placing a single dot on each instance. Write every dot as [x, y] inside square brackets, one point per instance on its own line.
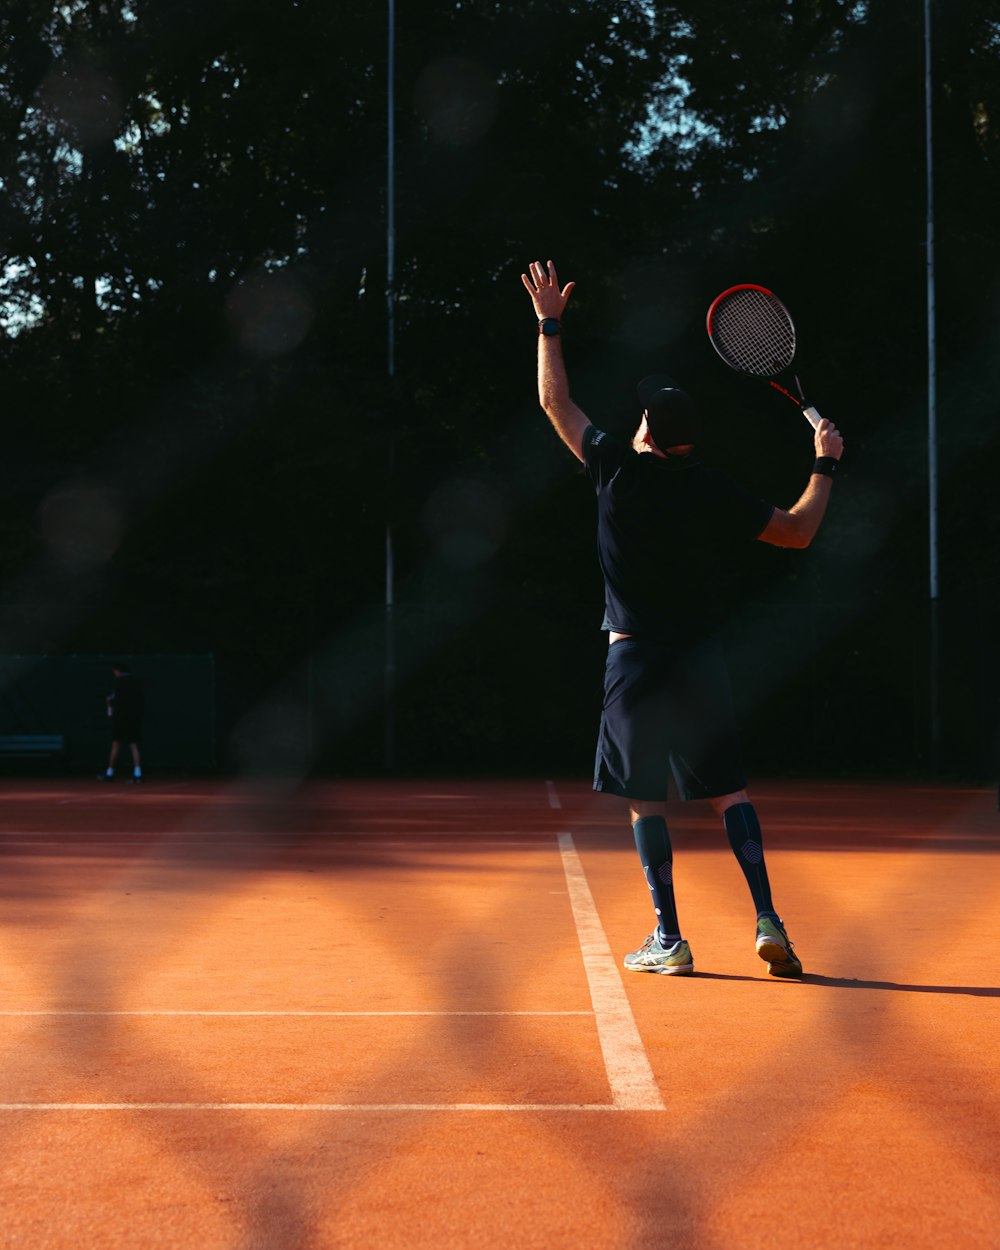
[653, 956]
[775, 947]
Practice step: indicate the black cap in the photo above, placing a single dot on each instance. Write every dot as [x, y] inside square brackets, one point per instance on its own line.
[672, 415]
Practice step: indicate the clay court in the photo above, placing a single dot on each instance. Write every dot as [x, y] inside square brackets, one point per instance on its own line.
[358, 1014]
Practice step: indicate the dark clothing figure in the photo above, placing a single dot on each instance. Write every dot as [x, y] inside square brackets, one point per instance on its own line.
[667, 526]
[126, 704]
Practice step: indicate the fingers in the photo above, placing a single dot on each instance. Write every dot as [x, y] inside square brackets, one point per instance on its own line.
[540, 276]
[542, 284]
[829, 440]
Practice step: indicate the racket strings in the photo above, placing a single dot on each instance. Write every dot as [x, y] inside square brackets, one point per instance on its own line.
[753, 332]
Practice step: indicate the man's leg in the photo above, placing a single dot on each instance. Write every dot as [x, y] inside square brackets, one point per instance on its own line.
[739, 816]
[665, 950]
[136, 761]
[652, 841]
[109, 772]
[633, 754]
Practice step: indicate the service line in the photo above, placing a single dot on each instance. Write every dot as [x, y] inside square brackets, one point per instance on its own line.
[314, 1106]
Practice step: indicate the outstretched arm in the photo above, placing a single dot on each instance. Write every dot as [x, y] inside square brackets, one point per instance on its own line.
[553, 385]
[797, 527]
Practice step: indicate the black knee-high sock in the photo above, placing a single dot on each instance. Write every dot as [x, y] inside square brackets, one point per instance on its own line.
[747, 842]
[652, 841]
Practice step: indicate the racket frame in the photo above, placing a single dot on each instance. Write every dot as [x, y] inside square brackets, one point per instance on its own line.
[810, 413]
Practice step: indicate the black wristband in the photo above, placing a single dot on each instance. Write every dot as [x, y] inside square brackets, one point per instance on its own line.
[548, 325]
[826, 466]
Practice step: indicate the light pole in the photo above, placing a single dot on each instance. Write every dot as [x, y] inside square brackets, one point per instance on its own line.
[389, 681]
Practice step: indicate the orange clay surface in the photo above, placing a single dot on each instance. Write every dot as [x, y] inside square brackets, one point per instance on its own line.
[391, 1014]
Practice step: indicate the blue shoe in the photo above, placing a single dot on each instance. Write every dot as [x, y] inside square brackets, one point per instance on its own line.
[775, 948]
[653, 956]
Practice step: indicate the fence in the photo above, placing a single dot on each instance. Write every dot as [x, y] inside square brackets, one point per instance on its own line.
[44, 695]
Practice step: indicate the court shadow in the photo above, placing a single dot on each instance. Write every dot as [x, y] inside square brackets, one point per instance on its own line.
[851, 983]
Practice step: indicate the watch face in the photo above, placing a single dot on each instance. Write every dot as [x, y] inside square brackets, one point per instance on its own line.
[550, 326]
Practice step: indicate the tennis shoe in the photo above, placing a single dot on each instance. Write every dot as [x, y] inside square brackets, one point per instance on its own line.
[653, 956]
[775, 947]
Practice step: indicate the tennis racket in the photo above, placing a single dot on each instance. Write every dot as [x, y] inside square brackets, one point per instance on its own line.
[753, 332]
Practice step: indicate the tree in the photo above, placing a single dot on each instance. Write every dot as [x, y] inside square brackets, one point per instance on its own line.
[194, 286]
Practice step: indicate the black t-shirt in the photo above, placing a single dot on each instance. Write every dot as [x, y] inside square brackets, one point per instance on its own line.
[665, 530]
[127, 700]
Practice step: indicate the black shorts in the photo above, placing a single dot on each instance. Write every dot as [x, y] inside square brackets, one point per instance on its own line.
[667, 708]
[125, 730]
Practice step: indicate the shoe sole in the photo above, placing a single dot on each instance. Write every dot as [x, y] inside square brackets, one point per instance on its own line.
[676, 970]
[776, 957]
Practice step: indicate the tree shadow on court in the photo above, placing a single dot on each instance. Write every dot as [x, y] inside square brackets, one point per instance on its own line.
[280, 1180]
[264, 1175]
[290, 1184]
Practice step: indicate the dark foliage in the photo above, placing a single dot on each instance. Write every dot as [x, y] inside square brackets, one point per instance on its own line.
[204, 445]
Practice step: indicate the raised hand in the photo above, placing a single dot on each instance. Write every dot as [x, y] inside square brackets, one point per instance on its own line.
[543, 287]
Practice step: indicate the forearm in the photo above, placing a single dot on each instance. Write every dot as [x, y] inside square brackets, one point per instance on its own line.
[811, 507]
[553, 394]
[553, 382]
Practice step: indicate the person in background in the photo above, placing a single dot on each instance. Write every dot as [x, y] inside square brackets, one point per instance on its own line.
[125, 707]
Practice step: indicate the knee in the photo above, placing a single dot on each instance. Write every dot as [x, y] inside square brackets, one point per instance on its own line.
[723, 802]
[640, 808]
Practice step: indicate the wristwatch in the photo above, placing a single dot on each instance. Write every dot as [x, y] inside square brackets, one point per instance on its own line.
[548, 326]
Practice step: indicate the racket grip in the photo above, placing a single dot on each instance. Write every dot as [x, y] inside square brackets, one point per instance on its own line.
[812, 416]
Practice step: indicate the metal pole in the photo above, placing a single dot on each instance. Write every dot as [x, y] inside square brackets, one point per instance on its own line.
[389, 745]
[932, 465]
[390, 195]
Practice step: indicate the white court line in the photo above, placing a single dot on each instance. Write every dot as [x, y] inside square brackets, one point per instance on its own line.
[322, 1014]
[315, 1106]
[554, 800]
[462, 841]
[629, 1073]
[498, 837]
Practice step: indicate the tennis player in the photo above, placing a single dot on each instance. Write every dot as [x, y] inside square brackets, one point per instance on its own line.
[125, 707]
[666, 523]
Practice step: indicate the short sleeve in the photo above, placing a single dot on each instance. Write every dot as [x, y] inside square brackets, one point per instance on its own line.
[747, 514]
[603, 455]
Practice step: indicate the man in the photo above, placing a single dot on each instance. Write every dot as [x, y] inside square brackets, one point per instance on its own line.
[665, 525]
[125, 707]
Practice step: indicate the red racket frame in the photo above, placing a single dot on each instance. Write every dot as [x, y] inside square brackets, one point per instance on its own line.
[754, 286]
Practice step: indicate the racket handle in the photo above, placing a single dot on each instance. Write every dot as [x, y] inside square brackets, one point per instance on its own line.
[812, 416]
